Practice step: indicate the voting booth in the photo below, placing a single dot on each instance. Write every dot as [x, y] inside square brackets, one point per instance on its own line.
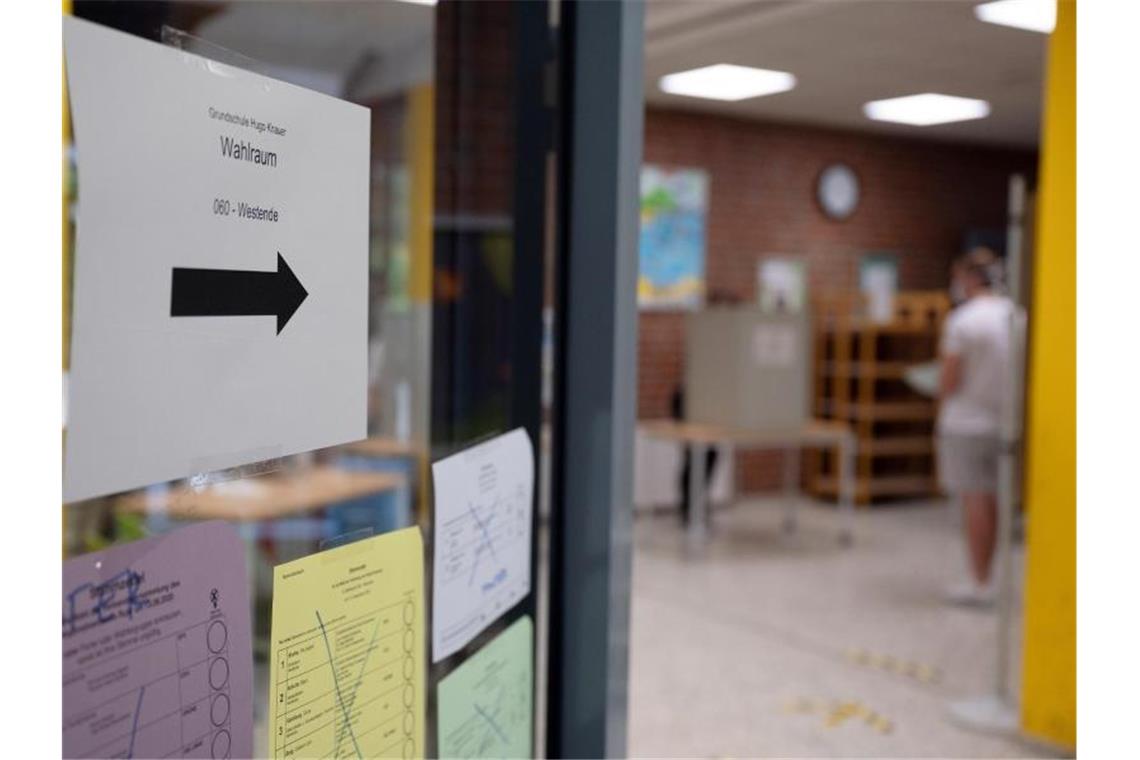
[746, 387]
[747, 368]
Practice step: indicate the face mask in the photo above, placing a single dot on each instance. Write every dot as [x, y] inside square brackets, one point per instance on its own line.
[957, 292]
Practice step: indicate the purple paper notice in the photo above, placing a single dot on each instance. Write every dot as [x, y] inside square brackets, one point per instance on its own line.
[157, 658]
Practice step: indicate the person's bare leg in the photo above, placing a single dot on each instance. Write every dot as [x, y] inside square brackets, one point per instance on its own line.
[980, 517]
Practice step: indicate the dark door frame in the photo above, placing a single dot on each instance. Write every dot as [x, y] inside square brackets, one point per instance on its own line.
[595, 391]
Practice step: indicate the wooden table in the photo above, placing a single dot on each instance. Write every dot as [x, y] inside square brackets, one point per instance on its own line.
[262, 498]
[266, 497]
[700, 436]
[381, 447]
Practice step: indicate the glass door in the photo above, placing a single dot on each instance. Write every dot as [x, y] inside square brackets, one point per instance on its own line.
[458, 224]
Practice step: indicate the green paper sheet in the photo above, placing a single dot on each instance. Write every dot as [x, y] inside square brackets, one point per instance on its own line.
[485, 705]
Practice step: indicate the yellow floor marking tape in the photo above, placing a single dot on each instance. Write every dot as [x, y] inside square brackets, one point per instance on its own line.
[917, 671]
[835, 713]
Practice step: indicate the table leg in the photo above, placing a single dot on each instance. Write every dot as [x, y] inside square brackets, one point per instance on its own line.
[791, 487]
[847, 489]
[730, 464]
[697, 531]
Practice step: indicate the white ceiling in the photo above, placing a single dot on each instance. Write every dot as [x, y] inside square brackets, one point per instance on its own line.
[847, 52]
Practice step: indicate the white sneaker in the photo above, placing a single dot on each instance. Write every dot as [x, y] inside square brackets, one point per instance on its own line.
[971, 594]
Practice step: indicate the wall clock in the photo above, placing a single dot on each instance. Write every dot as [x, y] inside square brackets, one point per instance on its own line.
[838, 191]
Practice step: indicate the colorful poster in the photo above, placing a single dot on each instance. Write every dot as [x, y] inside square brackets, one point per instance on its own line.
[671, 254]
[346, 667]
[483, 514]
[485, 705]
[157, 658]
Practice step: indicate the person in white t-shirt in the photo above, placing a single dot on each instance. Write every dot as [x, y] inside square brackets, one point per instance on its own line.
[975, 354]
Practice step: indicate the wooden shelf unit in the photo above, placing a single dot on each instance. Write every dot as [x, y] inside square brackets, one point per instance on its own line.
[858, 378]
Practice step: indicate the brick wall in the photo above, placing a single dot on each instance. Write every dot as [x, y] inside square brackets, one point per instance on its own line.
[917, 200]
[474, 137]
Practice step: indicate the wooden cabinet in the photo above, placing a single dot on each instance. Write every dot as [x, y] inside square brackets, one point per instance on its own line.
[858, 377]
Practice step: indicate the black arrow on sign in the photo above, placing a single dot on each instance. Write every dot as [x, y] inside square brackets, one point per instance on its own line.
[236, 293]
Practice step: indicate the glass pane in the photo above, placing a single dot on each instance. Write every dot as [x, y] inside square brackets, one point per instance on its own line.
[450, 361]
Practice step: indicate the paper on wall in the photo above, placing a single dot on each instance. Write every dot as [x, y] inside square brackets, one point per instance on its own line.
[774, 345]
[346, 669]
[157, 658]
[782, 285]
[485, 705]
[482, 548]
[221, 266]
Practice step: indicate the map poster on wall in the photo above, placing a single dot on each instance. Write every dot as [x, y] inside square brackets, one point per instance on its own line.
[671, 254]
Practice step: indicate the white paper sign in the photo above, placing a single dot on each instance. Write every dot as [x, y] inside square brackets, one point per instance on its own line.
[774, 346]
[483, 499]
[221, 282]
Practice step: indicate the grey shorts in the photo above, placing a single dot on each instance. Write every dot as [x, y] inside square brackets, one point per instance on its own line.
[968, 463]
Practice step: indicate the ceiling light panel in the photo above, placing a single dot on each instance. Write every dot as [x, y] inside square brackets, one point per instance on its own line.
[926, 109]
[1033, 15]
[727, 81]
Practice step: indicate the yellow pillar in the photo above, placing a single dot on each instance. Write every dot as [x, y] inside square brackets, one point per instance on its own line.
[420, 144]
[66, 337]
[66, 213]
[1049, 668]
[420, 139]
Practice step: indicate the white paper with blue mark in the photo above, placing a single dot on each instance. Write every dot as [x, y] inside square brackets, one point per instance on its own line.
[483, 523]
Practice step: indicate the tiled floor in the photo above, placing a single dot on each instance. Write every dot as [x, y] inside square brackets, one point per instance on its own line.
[791, 646]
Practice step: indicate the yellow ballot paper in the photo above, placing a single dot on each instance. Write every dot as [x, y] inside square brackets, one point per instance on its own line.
[346, 673]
